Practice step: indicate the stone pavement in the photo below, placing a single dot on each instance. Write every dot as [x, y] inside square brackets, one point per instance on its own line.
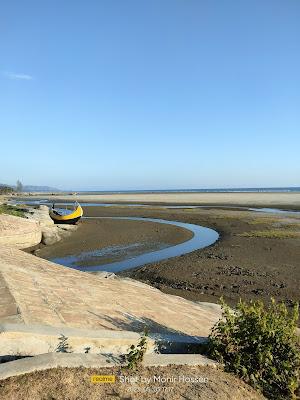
[36, 291]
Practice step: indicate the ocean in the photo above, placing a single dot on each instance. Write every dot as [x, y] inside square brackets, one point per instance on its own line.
[227, 190]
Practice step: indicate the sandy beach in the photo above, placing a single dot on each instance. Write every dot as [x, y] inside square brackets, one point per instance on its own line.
[280, 200]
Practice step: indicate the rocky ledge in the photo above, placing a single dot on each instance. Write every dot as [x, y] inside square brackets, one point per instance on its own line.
[36, 228]
[51, 233]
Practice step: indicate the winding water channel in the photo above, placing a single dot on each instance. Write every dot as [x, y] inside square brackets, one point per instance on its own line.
[202, 237]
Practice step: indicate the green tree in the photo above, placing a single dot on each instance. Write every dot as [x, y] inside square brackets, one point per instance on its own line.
[19, 186]
[5, 189]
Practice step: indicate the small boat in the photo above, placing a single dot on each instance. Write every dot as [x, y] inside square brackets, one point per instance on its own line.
[59, 217]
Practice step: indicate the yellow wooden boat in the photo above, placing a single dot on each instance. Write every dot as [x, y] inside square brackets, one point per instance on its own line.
[71, 218]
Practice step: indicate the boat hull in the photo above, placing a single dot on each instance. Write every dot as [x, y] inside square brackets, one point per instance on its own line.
[71, 218]
[72, 221]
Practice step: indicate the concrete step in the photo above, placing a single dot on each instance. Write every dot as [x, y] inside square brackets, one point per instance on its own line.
[31, 340]
[65, 360]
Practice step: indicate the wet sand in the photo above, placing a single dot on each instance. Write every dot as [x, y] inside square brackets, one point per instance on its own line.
[235, 267]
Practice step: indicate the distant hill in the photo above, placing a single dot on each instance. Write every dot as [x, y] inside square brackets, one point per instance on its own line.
[4, 184]
[33, 188]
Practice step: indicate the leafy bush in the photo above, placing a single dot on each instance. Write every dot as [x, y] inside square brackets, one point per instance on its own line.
[260, 345]
[136, 353]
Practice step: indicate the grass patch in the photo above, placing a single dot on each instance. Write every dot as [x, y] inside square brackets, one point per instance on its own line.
[291, 226]
[260, 221]
[272, 221]
[229, 217]
[17, 212]
[272, 234]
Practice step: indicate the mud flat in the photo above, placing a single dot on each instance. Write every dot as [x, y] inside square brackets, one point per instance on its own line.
[116, 238]
[257, 256]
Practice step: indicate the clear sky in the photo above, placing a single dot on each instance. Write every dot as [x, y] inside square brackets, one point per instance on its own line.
[136, 94]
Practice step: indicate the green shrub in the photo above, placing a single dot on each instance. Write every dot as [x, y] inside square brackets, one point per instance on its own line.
[136, 353]
[63, 345]
[260, 345]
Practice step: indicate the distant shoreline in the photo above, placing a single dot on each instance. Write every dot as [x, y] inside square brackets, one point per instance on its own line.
[279, 189]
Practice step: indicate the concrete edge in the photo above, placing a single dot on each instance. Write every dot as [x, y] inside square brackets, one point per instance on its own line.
[67, 331]
[66, 360]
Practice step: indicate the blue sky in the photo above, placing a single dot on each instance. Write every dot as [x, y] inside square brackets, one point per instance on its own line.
[133, 94]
